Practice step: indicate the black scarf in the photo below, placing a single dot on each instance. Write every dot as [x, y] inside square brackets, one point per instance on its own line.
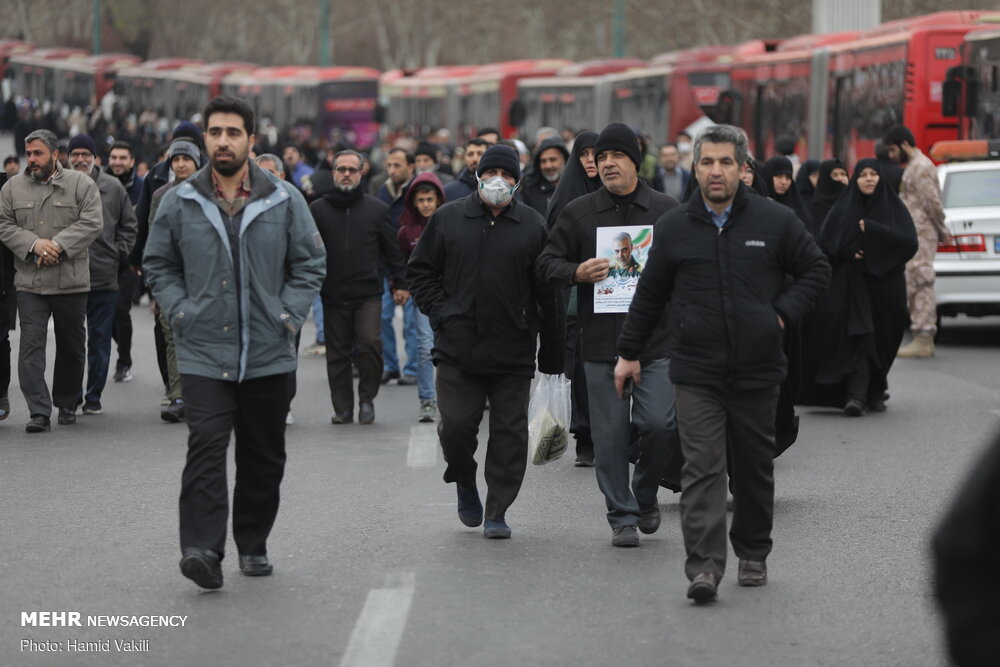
[340, 199]
[574, 181]
[792, 198]
[802, 181]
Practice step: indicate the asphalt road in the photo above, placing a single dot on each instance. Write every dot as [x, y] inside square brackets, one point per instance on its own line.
[373, 567]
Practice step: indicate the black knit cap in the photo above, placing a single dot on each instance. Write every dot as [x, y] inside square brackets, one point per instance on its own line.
[500, 156]
[82, 141]
[618, 137]
[428, 149]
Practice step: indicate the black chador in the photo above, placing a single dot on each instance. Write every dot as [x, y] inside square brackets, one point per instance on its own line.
[857, 326]
[792, 198]
[574, 181]
[826, 193]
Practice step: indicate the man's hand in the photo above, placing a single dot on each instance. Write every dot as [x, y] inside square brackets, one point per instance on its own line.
[47, 251]
[625, 369]
[400, 297]
[592, 271]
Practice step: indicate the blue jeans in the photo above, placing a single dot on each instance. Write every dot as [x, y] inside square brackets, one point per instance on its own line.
[390, 361]
[318, 317]
[425, 368]
[101, 307]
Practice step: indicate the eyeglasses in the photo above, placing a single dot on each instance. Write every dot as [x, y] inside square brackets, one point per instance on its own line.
[81, 154]
[347, 170]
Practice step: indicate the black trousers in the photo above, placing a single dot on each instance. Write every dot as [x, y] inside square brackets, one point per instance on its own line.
[255, 410]
[69, 314]
[704, 416]
[345, 327]
[6, 322]
[461, 399]
[121, 331]
[579, 424]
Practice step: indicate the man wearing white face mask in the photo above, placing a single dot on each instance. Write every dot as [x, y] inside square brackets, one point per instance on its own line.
[473, 275]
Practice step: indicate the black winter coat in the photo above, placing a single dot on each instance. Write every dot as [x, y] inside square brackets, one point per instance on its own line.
[359, 240]
[726, 289]
[574, 240]
[474, 277]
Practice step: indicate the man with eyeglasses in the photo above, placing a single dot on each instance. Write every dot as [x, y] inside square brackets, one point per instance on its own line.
[359, 238]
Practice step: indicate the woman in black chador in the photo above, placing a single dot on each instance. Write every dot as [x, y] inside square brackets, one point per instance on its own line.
[777, 174]
[868, 237]
[832, 183]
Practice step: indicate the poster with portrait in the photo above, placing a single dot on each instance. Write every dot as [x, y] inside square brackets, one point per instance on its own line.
[626, 249]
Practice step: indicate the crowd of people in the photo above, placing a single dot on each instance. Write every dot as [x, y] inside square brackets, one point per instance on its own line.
[693, 294]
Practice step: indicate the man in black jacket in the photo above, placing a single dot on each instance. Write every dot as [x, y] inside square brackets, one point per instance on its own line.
[465, 183]
[550, 160]
[578, 254]
[721, 263]
[473, 275]
[359, 238]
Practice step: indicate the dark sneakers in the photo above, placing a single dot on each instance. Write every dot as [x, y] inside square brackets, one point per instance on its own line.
[624, 536]
[704, 588]
[67, 417]
[855, 407]
[496, 530]
[202, 566]
[255, 566]
[342, 418]
[649, 519]
[123, 374]
[173, 413]
[752, 573]
[92, 408]
[470, 507]
[37, 424]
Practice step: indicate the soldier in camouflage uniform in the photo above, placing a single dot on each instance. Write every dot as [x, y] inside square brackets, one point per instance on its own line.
[922, 195]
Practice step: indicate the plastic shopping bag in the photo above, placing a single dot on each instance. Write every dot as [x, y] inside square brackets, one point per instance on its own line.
[548, 419]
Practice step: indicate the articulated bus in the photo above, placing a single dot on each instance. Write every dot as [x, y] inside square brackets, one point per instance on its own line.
[149, 85]
[837, 94]
[33, 75]
[195, 86]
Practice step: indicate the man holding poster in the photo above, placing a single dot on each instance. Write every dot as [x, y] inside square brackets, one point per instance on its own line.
[599, 242]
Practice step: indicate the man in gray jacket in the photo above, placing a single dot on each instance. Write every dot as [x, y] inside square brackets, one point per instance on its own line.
[49, 216]
[106, 253]
[234, 261]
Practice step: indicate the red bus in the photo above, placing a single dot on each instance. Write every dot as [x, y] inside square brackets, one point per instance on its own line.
[8, 48]
[420, 101]
[33, 73]
[195, 86]
[972, 93]
[149, 85]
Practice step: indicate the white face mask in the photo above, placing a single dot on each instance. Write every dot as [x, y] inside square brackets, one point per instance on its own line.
[496, 191]
[684, 147]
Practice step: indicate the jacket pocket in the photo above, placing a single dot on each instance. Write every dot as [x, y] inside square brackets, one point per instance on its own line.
[24, 214]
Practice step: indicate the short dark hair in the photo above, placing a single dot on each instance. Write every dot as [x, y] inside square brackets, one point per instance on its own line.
[410, 157]
[488, 130]
[11, 158]
[123, 145]
[426, 187]
[896, 135]
[476, 141]
[227, 104]
[294, 145]
[669, 144]
[349, 152]
[882, 152]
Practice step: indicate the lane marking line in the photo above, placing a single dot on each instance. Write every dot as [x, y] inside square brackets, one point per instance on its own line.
[423, 448]
[375, 639]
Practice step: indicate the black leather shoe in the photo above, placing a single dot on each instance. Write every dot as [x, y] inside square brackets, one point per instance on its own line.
[704, 588]
[366, 413]
[855, 407]
[342, 417]
[389, 375]
[752, 573]
[649, 519]
[255, 566]
[37, 424]
[202, 566]
[67, 417]
[173, 413]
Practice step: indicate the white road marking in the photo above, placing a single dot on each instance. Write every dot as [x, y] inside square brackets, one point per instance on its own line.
[422, 452]
[375, 639]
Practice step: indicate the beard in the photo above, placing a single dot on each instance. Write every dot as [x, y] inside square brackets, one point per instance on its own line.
[551, 178]
[44, 171]
[347, 188]
[231, 168]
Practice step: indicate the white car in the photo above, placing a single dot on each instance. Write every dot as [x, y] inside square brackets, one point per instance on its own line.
[968, 271]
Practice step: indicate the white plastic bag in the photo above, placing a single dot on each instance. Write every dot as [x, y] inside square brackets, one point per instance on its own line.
[548, 419]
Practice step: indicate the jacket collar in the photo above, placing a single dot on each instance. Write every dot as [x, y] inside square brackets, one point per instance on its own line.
[475, 208]
[696, 204]
[604, 200]
[260, 184]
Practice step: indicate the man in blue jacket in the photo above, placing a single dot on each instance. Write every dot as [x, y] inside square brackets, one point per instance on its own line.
[234, 261]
